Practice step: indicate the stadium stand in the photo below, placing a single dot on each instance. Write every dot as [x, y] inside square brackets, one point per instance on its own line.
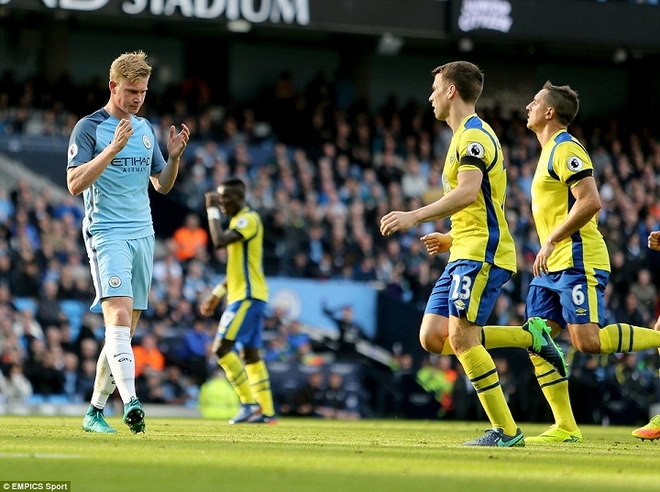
[342, 167]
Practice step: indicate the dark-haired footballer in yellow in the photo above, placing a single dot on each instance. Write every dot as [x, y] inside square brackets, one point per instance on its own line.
[482, 252]
[572, 267]
[247, 295]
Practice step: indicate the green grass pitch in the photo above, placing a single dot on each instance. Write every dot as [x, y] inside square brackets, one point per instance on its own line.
[317, 455]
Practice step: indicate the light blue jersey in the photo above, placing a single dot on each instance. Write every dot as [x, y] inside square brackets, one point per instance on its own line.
[117, 204]
[117, 227]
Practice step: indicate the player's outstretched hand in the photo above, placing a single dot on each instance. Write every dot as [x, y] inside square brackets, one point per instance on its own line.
[208, 305]
[177, 142]
[436, 242]
[212, 199]
[654, 240]
[396, 221]
[540, 265]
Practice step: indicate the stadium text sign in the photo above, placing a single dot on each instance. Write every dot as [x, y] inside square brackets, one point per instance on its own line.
[614, 24]
[255, 11]
[485, 14]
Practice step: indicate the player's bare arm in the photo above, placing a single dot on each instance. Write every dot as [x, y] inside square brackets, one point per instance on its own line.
[209, 303]
[587, 204]
[176, 144]
[79, 178]
[469, 184]
[219, 236]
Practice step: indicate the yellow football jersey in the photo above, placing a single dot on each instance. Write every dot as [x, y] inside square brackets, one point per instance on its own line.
[562, 164]
[245, 276]
[480, 231]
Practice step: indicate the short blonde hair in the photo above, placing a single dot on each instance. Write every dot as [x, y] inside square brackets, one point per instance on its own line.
[130, 66]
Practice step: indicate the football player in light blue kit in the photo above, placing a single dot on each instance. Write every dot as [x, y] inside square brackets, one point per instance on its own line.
[113, 155]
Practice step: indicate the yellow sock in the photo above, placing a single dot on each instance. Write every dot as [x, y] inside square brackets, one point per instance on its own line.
[480, 369]
[505, 336]
[622, 337]
[555, 390]
[259, 378]
[497, 336]
[446, 349]
[237, 376]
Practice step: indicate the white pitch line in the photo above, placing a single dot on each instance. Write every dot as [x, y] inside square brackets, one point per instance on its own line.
[48, 456]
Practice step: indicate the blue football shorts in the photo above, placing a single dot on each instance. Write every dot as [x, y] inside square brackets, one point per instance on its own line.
[122, 268]
[467, 289]
[573, 296]
[242, 322]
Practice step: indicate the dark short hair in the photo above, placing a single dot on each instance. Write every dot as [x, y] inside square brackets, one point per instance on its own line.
[467, 77]
[564, 100]
[236, 184]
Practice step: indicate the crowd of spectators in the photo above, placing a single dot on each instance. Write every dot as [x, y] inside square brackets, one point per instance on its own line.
[609, 390]
[321, 169]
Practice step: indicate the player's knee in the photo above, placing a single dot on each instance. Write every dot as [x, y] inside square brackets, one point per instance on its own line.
[587, 345]
[423, 341]
[432, 336]
[431, 344]
[251, 356]
[220, 351]
[250, 360]
[222, 347]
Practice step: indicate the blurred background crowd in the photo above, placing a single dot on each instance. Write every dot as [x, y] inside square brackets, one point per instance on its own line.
[321, 168]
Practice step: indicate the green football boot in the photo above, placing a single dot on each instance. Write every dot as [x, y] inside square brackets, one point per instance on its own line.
[94, 421]
[555, 434]
[134, 416]
[544, 346]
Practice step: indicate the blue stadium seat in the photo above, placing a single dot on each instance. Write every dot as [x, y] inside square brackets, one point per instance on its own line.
[23, 303]
[74, 311]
